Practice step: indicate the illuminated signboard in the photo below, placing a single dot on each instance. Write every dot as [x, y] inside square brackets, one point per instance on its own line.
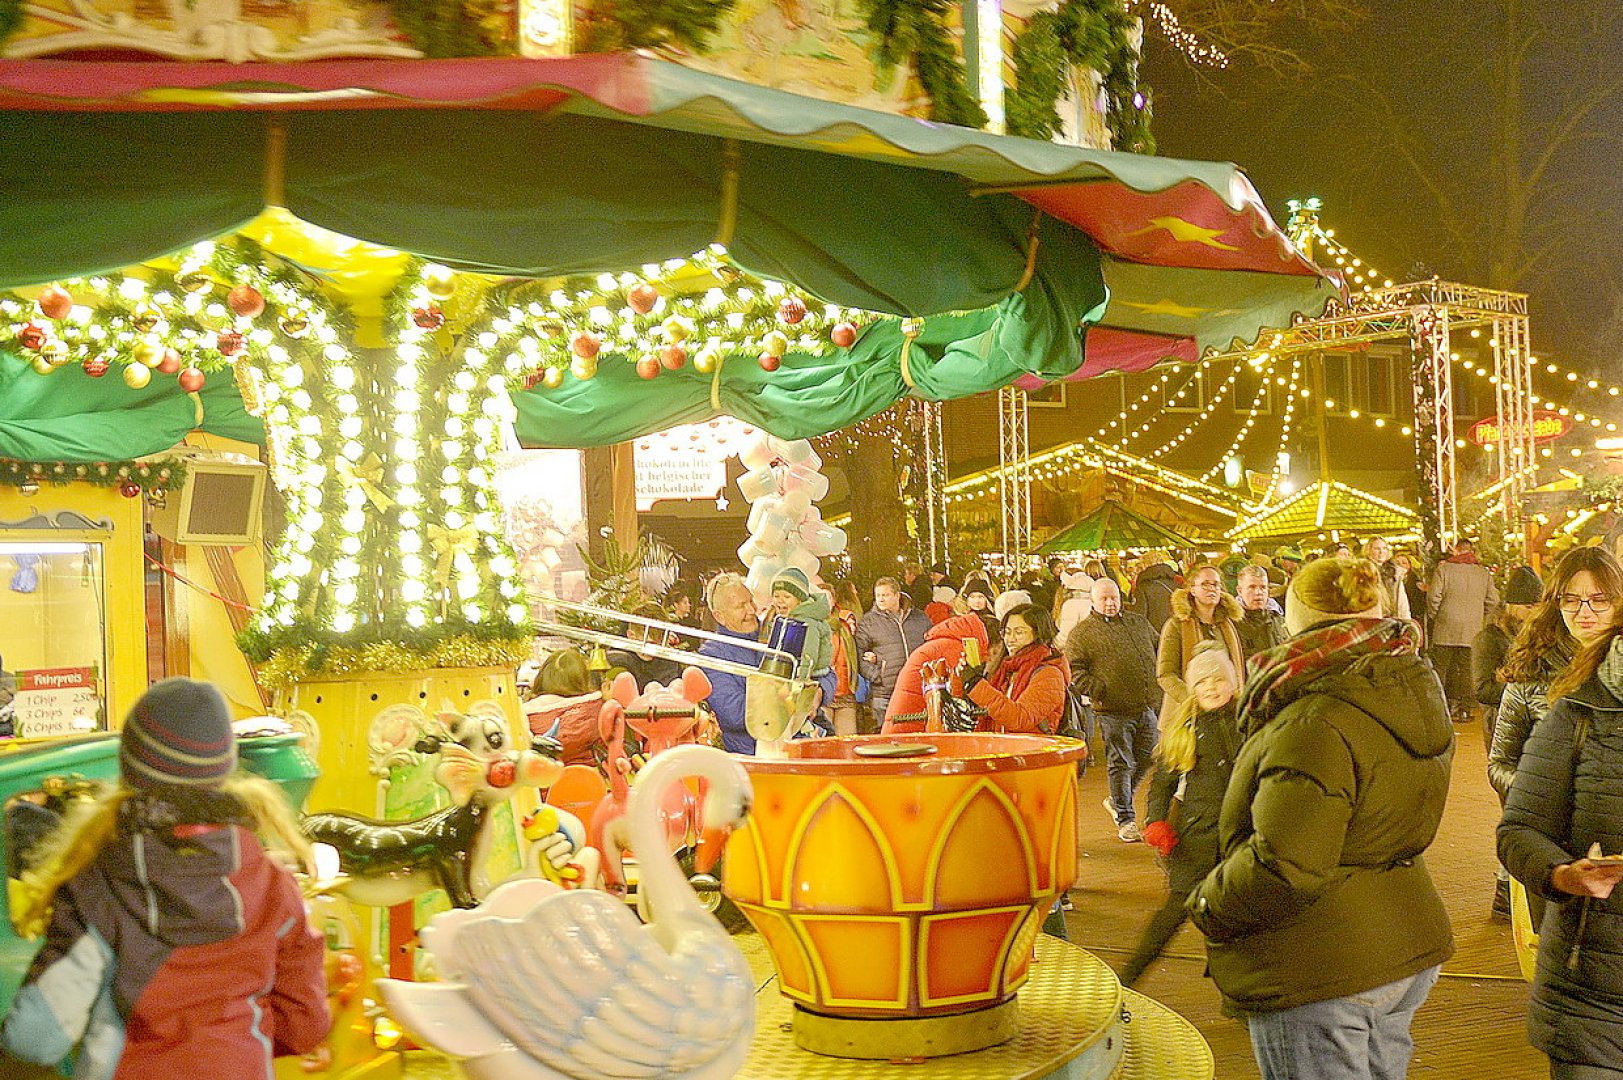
[1546, 426]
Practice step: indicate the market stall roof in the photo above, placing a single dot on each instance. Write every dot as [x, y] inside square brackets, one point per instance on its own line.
[1112, 527]
[1324, 507]
[1052, 260]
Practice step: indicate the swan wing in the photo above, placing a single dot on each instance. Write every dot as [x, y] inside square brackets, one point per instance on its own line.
[582, 986]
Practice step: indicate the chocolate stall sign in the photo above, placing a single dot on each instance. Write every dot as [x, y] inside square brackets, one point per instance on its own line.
[666, 473]
[1546, 426]
[56, 701]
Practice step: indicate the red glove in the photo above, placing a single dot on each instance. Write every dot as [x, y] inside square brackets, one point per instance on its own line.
[1159, 835]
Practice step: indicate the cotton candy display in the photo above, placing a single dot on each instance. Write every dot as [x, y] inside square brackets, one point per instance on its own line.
[782, 484]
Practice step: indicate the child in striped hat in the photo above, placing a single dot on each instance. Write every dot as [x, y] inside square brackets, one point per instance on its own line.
[173, 944]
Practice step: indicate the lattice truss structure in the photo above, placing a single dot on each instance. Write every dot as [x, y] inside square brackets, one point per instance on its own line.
[1014, 473]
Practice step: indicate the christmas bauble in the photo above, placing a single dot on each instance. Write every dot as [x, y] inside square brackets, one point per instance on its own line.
[95, 367]
[672, 357]
[191, 380]
[32, 336]
[295, 324]
[648, 366]
[137, 375]
[775, 343]
[195, 282]
[769, 362]
[169, 362]
[247, 301]
[55, 302]
[844, 335]
[129, 489]
[428, 317]
[228, 342]
[54, 353]
[42, 366]
[553, 378]
[583, 367]
[585, 346]
[146, 320]
[791, 310]
[440, 282]
[29, 488]
[146, 352]
[706, 361]
[642, 298]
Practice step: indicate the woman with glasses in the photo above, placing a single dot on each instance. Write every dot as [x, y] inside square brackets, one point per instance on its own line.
[1200, 612]
[1026, 690]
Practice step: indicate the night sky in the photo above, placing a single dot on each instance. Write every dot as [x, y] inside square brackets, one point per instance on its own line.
[1428, 75]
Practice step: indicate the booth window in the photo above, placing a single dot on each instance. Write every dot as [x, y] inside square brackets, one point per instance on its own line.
[53, 650]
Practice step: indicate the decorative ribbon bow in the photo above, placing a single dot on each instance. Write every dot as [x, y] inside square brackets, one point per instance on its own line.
[448, 544]
[366, 475]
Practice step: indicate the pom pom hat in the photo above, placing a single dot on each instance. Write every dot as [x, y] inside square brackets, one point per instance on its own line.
[1524, 586]
[794, 582]
[1332, 589]
[178, 733]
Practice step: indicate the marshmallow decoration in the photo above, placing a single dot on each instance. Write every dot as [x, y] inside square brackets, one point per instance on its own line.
[782, 486]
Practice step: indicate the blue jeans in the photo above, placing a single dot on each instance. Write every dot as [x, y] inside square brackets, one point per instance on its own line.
[1129, 743]
[1361, 1036]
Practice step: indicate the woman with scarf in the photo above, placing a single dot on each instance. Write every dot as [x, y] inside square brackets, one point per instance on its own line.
[1563, 816]
[1026, 691]
[1323, 927]
[1194, 757]
[1200, 612]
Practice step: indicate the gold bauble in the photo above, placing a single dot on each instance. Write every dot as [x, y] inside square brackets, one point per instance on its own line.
[676, 329]
[295, 324]
[775, 343]
[440, 281]
[582, 368]
[146, 352]
[195, 282]
[55, 353]
[137, 375]
[42, 366]
[553, 378]
[706, 361]
[146, 320]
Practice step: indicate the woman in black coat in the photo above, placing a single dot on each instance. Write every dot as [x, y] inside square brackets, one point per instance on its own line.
[1565, 808]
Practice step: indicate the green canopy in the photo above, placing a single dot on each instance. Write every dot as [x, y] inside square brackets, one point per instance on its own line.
[1325, 507]
[1112, 527]
[1032, 259]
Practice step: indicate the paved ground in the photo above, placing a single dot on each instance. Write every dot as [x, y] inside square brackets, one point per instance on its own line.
[1470, 1027]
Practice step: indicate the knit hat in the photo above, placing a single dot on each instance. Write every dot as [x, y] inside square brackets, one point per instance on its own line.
[937, 612]
[943, 594]
[1007, 602]
[1209, 658]
[1289, 551]
[179, 732]
[978, 587]
[792, 581]
[1524, 586]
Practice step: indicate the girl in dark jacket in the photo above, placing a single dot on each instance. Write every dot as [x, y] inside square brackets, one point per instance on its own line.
[1194, 758]
[1563, 814]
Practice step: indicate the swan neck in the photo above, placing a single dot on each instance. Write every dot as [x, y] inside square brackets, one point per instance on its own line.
[665, 890]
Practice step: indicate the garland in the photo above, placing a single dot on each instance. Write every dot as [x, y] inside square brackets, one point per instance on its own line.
[621, 25]
[466, 28]
[130, 477]
[916, 31]
[286, 666]
[1092, 35]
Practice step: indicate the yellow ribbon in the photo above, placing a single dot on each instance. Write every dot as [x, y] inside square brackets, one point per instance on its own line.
[366, 475]
[449, 543]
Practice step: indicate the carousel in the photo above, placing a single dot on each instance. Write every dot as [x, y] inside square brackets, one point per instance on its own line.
[356, 281]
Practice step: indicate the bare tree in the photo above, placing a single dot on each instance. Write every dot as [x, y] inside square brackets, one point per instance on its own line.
[1246, 36]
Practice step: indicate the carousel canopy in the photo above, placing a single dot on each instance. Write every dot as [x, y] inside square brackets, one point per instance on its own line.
[1324, 507]
[1113, 527]
[1031, 259]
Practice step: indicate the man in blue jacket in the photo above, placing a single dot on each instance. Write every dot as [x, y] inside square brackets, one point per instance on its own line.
[734, 608]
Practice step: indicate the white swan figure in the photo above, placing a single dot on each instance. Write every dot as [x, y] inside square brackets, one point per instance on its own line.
[547, 984]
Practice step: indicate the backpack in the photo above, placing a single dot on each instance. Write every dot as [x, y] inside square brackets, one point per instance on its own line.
[1077, 722]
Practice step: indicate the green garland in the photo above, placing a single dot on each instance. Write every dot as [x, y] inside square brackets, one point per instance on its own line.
[439, 29]
[915, 31]
[1079, 34]
[620, 25]
[164, 474]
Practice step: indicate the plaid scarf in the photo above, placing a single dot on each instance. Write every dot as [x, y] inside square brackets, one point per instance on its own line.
[1276, 677]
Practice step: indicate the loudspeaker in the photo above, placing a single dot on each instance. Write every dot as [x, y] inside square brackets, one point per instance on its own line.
[222, 503]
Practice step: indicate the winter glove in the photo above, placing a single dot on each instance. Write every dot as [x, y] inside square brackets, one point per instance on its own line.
[971, 674]
[1160, 836]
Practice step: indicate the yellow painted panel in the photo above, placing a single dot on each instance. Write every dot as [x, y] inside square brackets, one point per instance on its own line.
[860, 962]
[841, 861]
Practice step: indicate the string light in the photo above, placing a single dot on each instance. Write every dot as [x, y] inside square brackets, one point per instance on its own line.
[1216, 400]
[1276, 475]
[1198, 51]
[1245, 428]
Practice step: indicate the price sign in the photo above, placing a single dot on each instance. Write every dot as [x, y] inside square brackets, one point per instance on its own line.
[56, 701]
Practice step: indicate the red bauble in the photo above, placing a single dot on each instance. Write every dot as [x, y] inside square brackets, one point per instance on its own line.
[95, 367]
[648, 366]
[129, 489]
[428, 317]
[55, 302]
[169, 363]
[229, 342]
[642, 298]
[843, 335]
[247, 301]
[585, 345]
[672, 357]
[31, 337]
[191, 380]
[792, 310]
[769, 362]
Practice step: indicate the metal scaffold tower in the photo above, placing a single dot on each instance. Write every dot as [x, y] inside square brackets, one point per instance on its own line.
[935, 486]
[1014, 473]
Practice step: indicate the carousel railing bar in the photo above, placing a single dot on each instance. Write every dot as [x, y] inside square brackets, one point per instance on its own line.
[685, 657]
[675, 628]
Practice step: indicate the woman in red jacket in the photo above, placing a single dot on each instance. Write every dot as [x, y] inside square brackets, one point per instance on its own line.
[945, 641]
[1026, 691]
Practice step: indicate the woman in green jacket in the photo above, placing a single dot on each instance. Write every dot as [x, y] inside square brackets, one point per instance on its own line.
[1323, 927]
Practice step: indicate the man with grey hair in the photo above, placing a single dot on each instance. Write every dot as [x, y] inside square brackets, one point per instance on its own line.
[1263, 624]
[886, 635]
[1112, 657]
[732, 605]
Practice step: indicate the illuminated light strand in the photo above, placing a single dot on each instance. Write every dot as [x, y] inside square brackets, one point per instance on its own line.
[1218, 396]
[1276, 474]
[1144, 398]
[1245, 429]
[1183, 391]
[1578, 416]
[1172, 29]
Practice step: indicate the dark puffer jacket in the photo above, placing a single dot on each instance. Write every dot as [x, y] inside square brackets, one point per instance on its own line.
[1152, 594]
[1217, 743]
[1112, 661]
[891, 638]
[1520, 707]
[1260, 631]
[1322, 891]
[1568, 794]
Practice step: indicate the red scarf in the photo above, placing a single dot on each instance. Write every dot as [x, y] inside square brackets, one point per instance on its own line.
[1278, 676]
[1014, 674]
